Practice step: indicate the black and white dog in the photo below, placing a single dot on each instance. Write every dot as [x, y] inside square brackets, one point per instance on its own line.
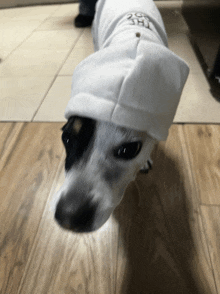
[101, 160]
[124, 98]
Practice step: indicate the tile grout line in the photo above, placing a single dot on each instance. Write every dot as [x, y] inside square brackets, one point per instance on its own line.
[55, 76]
[28, 36]
[209, 205]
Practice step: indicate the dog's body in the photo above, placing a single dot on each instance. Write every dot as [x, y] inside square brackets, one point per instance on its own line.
[124, 98]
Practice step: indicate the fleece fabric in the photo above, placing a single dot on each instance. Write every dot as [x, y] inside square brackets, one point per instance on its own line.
[132, 79]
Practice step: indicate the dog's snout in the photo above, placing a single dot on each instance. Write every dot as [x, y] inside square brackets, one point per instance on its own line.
[77, 218]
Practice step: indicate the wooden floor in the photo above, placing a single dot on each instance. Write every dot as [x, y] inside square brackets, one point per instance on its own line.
[168, 242]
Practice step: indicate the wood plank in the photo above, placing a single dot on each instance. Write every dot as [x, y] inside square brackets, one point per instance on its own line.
[165, 247]
[9, 134]
[211, 222]
[155, 244]
[146, 263]
[179, 196]
[63, 262]
[203, 143]
[30, 162]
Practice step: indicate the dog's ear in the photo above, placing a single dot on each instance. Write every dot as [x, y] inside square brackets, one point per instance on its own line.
[77, 135]
[69, 124]
[74, 125]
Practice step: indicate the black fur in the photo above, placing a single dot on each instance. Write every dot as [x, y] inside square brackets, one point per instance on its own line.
[77, 144]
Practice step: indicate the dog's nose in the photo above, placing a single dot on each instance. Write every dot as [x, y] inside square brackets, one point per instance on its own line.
[77, 219]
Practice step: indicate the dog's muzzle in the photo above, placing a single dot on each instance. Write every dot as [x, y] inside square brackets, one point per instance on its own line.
[79, 215]
[76, 217]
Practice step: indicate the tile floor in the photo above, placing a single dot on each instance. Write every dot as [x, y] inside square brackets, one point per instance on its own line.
[39, 49]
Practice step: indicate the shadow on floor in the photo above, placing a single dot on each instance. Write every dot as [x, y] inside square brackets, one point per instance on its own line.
[156, 234]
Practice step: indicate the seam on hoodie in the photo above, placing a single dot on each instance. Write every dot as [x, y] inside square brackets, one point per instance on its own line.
[131, 69]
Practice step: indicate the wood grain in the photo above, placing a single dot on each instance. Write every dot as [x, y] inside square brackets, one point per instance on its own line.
[165, 239]
[203, 143]
[211, 215]
[30, 164]
[63, 262]
[159, 240]
[9, 134]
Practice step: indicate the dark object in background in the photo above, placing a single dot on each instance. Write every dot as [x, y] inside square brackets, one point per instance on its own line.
[82, 21]
[86, 13]
[214, 78]
[204, 25]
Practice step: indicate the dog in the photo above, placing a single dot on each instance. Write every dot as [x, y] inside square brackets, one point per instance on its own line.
[101, 160]
[123, 100]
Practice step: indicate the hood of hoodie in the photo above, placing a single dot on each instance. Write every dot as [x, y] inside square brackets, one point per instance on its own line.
[133, 79]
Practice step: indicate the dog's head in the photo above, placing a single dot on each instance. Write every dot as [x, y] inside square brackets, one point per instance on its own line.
[101, 160]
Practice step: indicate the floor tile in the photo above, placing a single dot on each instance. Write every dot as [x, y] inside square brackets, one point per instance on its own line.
[167, 4]
[57, 23]
[26, 63]
[173, 20]
[51, 40]
[13, 12]
[197, 105]
[181, 45]
[41, 41]
[61, 19]
[28, 13]
[42, 55]
[83, 48]
[13, 33]
[20, 97]
[53, 106]
[67, 10]
[41, 12]
[17, 24]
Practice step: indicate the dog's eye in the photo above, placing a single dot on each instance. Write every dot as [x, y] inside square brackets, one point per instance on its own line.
[128, 151]
[66, 138]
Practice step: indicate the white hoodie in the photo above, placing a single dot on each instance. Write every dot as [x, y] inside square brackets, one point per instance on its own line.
[133, 79]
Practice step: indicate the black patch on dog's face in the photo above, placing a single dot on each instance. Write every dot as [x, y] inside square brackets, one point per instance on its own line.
[77, 134]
